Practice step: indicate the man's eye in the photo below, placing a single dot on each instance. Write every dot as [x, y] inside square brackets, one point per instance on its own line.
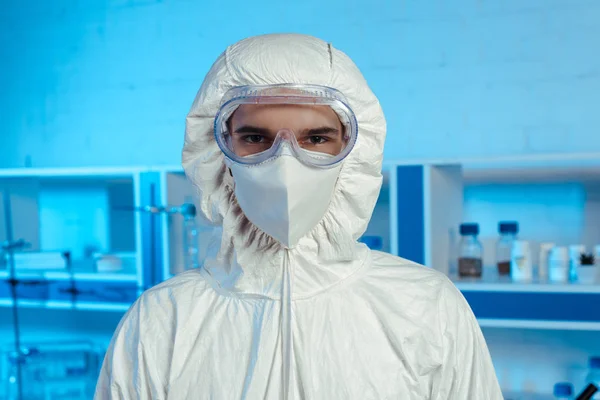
[253, 139]
[317, 140]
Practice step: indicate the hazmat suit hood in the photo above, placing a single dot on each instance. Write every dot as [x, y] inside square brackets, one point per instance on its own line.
[242, 258]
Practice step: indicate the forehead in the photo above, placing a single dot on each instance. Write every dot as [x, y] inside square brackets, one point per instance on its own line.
[285, 115]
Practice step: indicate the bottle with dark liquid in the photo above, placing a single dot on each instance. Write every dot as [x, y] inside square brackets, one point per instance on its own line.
[508, 234]
[470, 252]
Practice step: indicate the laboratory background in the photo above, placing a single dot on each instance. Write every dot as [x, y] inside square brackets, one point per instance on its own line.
[491, 171]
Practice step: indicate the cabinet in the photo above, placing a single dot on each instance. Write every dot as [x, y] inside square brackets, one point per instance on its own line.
[84, 247]
[554, 199]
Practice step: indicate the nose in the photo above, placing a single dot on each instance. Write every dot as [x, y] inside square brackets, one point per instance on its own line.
[285, 134]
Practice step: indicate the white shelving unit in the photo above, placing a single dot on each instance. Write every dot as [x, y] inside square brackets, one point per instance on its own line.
[82, 211]
[419, 209]
[555, 198]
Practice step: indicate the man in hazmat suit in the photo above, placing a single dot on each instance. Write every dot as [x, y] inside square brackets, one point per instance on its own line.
[284, 143]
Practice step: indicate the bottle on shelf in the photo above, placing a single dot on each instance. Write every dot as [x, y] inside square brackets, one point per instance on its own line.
[508, 231]
[588, 269]
[558, 264]
[520, 262]
[470, 252]
[563, 391]
[593, 375]
[545, 249]
[575, 252]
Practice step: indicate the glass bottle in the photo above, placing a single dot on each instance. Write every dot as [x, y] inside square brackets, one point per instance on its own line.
[508, 234]
[470, 252]
[190, 236]
[563, 391]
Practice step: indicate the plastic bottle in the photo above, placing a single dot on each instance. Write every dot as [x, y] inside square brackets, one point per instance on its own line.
[558, 264]
[520, 262]
[508, 234]
[470, 252]
[563, 391]
[593, 375]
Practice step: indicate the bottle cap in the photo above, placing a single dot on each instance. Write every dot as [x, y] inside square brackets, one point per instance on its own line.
[595, 362]
[508, 227]
[469, 229]
[563, 389]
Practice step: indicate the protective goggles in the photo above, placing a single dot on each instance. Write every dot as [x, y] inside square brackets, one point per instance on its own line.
[315, 146]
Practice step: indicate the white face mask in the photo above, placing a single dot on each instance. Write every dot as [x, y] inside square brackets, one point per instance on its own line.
[284, 197]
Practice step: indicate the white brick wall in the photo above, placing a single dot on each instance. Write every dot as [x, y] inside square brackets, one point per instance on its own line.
[85, 83]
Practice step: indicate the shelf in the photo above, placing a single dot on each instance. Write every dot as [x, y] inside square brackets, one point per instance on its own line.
[519, 306]
[111, 277]
[482, 286]
[560, 160]
[69, 172]
[535, 324]
[66, 305]
[554, 198]
[64, 276]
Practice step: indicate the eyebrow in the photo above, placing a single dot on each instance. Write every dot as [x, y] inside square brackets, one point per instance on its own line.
[324, 130]
[252, 129]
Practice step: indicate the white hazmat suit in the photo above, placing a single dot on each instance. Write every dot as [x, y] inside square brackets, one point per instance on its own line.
[326, 319]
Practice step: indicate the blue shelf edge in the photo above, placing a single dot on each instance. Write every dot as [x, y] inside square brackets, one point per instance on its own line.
[565, 308]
